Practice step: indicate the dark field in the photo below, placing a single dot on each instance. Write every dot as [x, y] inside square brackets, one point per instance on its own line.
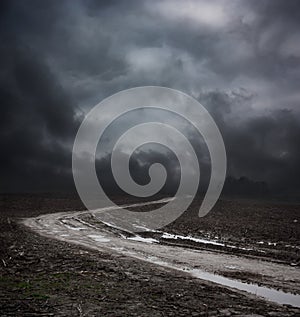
[270, 227]
[45, 277]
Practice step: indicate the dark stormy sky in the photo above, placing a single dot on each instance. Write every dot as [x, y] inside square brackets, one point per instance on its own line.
[240, 59]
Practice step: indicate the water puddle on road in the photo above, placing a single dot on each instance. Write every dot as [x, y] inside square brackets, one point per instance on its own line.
[270, 294]
[273, 295]
[98, 238]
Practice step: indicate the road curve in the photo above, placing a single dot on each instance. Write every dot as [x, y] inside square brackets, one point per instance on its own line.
[73, 227]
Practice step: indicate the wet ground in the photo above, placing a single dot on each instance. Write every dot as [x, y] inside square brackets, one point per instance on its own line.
[44, 275]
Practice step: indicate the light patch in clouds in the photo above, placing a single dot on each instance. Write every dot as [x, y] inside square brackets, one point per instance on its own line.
[149, 59]
[199, 13]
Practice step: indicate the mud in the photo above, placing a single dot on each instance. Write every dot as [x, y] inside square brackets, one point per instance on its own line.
[45, 277]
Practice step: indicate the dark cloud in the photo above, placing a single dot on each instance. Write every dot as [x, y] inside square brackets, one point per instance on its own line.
[263, 148]
[241, 60]
[139, 169]
[38, 119]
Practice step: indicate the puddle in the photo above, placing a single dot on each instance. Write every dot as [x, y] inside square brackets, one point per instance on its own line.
[141, 239]
[273, 295]
[270, 294]
[175, 237]
[98, 238]
[231, 267]
[67, 225]
[205, 241]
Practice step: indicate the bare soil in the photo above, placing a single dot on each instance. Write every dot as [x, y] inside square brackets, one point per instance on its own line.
[45, 277]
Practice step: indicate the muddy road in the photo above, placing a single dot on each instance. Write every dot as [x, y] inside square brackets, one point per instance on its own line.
[252, 275]
[66, 263]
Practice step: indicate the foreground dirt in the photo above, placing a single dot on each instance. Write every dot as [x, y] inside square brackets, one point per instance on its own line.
[85, 229]
[45, 277]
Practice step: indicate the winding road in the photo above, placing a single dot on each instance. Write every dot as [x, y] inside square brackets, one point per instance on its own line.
[76, 227]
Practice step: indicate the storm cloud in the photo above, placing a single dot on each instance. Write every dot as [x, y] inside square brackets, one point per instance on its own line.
[240, 59]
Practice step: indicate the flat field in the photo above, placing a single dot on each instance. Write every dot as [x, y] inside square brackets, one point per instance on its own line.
[62, 271]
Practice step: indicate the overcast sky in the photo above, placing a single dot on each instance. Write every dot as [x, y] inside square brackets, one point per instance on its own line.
[240, 59]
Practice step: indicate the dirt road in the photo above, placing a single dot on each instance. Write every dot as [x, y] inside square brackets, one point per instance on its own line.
[265, 278]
